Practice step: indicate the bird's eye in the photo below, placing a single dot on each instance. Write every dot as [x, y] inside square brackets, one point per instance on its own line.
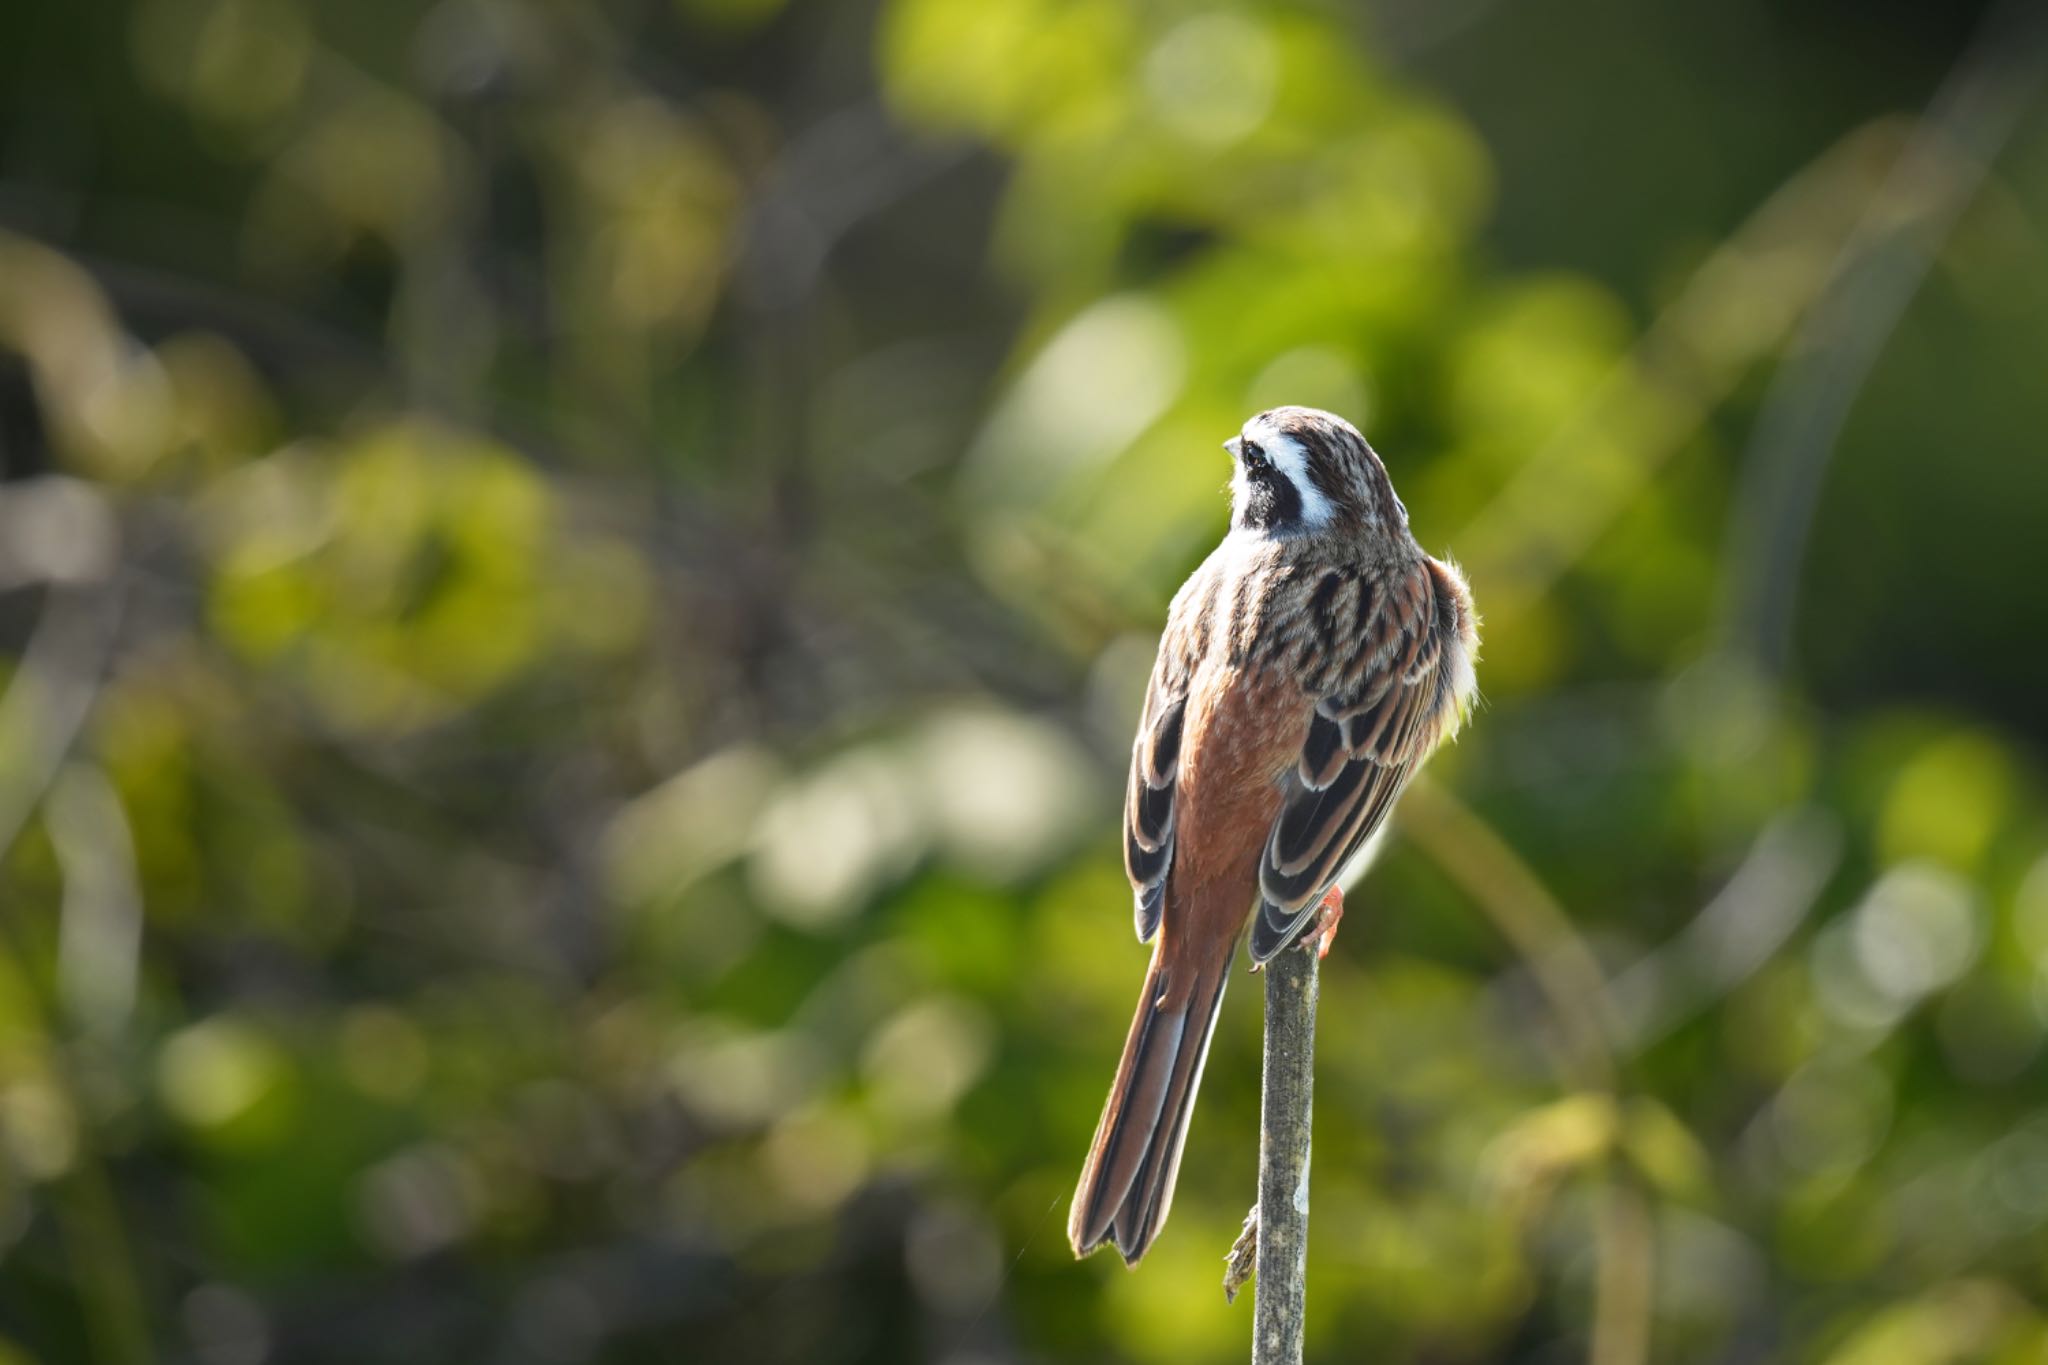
[1254, 455]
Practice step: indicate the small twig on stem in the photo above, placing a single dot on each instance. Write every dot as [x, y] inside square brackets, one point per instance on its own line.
[1239, 1260]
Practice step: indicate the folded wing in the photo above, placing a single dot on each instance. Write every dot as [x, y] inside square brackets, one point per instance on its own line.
[1385, 697]
[1149, 804]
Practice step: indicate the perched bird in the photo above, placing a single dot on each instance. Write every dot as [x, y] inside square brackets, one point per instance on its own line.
[1308, 668]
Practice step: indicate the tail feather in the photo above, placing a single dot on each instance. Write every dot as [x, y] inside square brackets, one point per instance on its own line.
[1151, 1197]
[1127, 1184]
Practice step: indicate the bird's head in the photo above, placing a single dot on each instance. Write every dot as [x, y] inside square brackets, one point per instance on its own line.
[1301, 470]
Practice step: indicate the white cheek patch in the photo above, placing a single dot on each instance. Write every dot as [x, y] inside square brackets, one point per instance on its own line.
[1292, 461]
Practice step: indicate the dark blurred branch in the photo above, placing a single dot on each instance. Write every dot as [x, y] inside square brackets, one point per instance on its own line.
[1575, 990]
[1874, 278]
[46, 706]
[1625, 1249]
[85, 1204]
[1510, 894]
[52, 693]
[835, 175]
[1744, 926]
[1735, 310]
[89, 1219]
[1739, 930]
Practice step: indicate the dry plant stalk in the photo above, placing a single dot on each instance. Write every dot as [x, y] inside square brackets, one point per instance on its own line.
[1276, 1230]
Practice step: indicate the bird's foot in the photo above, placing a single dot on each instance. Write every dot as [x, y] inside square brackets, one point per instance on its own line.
[1329, 915]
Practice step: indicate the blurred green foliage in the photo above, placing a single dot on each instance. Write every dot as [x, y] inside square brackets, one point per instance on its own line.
[574, 580]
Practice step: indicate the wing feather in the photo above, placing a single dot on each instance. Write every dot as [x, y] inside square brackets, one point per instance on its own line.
[1149, 806]
[1151, 799]
[1364, 741]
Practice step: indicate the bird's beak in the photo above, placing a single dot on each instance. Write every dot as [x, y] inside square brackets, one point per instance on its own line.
[1235, 445]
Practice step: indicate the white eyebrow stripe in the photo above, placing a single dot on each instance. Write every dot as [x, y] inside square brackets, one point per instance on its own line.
[1290, 459]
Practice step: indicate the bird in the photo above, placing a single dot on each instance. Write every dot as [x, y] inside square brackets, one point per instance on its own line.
[1307, 669]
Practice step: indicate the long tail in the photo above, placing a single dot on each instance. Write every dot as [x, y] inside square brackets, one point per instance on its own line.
[1127, 1186]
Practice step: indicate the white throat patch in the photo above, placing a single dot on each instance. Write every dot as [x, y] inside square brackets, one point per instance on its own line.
[1292, 461]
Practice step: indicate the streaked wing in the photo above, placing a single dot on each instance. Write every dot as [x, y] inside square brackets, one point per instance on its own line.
[1384, 695]
[1150, 815]
[1149, 802]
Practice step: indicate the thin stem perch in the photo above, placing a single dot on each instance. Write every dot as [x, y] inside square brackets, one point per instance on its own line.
[1285, 1110]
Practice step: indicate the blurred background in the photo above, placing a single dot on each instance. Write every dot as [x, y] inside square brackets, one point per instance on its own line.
[575, 582]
